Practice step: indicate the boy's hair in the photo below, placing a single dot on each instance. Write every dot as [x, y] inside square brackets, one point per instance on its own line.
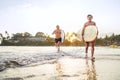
[89, 15]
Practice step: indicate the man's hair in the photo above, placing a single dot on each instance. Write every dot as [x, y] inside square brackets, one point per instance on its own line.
[57, 25]
[89, 15]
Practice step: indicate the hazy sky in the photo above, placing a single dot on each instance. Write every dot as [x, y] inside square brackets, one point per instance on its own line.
[43, 15]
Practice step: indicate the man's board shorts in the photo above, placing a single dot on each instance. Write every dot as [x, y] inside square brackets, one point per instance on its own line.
[57, 40]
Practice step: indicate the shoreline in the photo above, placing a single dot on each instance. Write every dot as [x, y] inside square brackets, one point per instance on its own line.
[70, 64]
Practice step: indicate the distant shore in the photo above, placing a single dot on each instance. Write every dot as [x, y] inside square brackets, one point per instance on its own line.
[42, 39]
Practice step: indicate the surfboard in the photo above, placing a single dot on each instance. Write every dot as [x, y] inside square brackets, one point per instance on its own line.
[79, 35]
[62, 36]
[90, 34]
[1, 39]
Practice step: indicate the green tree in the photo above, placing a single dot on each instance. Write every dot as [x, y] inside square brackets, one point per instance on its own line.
[50, 41]
[40, 34]
[17, 35]
[26, 34]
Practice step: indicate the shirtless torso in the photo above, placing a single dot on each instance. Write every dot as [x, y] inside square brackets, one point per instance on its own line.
[57, 33]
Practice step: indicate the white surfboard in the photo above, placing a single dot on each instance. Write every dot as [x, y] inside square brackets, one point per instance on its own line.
[90, 34]
[79, 35]
[62, 36]
[1, 39]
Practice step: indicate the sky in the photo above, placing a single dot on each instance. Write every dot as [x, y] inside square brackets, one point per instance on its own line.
[43, 15]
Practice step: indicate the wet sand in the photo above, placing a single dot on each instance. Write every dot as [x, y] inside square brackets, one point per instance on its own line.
[22, 63]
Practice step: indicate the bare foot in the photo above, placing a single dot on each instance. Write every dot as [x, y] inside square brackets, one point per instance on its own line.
[93, 59]
[58, 49]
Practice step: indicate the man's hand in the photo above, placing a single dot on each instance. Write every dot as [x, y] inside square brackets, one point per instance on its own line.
[83, 39]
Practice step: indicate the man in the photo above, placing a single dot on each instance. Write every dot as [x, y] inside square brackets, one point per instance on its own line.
[87, 24]
[57, 33]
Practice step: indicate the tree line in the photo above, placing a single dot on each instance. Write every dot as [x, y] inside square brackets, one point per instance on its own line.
[42, 39]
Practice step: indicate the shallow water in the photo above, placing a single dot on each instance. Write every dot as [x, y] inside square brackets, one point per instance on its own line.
[44, 63]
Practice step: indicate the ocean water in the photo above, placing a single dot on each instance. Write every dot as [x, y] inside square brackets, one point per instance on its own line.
[45, 63]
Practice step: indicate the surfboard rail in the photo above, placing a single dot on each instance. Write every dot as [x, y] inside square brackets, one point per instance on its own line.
[62, 36]
[90, 34]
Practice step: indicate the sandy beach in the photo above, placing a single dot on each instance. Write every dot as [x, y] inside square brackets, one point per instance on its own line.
[44, 63]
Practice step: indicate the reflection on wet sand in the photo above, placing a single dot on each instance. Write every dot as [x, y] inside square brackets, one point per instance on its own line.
[75, 69]
[65, 68]
[41, 63]
[91, 72]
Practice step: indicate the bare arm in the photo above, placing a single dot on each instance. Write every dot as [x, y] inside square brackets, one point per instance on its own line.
[94, 23]
[53, 32]
[97, 28]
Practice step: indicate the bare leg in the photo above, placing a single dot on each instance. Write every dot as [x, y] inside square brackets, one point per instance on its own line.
[92, 49]
[58, 46]
[86, 50]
